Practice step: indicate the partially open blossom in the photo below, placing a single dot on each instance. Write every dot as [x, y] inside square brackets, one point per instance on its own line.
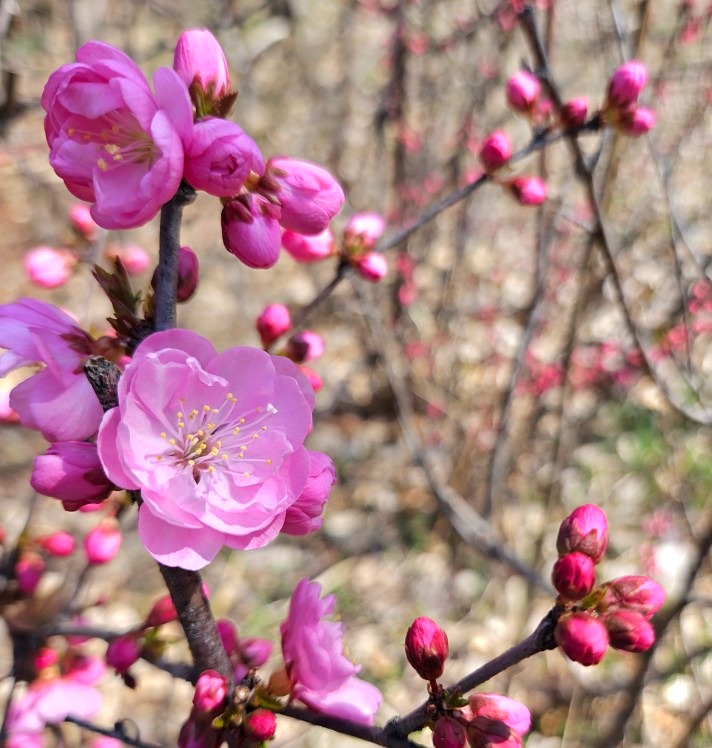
[133, 257]
[496, 720]
[321, 675]
[29, 569]
[305, 345]
[220, 157]
[426, 648]
[639, 593]
[372, 266]
[122, 652]
[200, 61]
[48, 267]
[260, 725]
[83, 223]
[636, 122]
[213, 441]
[582, 637]
[629, 631]
[103, 542]
[274, 321]
[574, 575]
[495, 151]
[362, 231]
[210, 691]
[304, 516]
[626, 84]
[573, 113]
[585, 530]
[58, 400]
[308, 195]
[250, 230]
[188, 274]
[522, 91]
[59, 544]
[448, 733]
[312, 248]
[71, 472]
[114, 143]
[528, 190]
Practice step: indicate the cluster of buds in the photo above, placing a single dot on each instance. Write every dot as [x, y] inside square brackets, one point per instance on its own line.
[621, 109]
[483, 720]
[615, 613]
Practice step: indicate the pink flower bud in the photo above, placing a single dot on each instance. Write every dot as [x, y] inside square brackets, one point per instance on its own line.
[274, 321]
[255, 652]
[29, 569]
[133, 257]
[626, 84]
[309, 248]
[496, 720]
[83, 223]
[522, 91]
[636, 122]
[48, 267]
[528, 190]
[372, 266]
[103, 542]
[250, 230]
[199, 58]
[574, 113]
[304, 346]
[220, 157]
[72, 472]
[308, 195]
[227, 631]
[639, 593]
[585, 530]
[574, 575]
[314, 379]
[188, 273]
[426, 648]
[210, 691]
[362, 232]
[122, 652]
[59, 544]
[260, 725]
[448, 733]
[45, 657]
[304, 516]
[629, 631]
[163, 611]
[582, 638]
[496, 150]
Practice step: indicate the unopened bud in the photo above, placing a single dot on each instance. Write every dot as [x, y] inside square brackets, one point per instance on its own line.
[372, 266]
[529, 190]
[496, 150]
[260, 725]
[629, 631]
[639, 593]
[522, 91]
[122, 652]
[274, 321]
[582, 638]
[574, 575]
[426, 648]
[627, 83]
[448, 733]
[103, 542]
[574, 113]
[585, 530]
[163, 611]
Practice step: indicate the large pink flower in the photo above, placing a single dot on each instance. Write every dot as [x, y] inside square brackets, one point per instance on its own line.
[213, 441]
[321, 675]
[58, 400]
[112, 141]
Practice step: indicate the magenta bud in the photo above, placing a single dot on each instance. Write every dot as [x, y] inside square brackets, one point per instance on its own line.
[210, 691]
[582, 638]
[522, 91]
[122, 652]
[163, 611]
[312, 248]
[255, 652]
[636, 122]
[48, 267]
[199, 59]
[227, 631]
[426, 648]
[304, 346]
[629, 631]
[574, 113]
[585, 530]
[45, 658]
[626, 84]
[372, 266]
[82, 222]
[639, 593]
[574, 575]
[188, 272]
[260, 725]
[496, 720]
[496, 150]
[362, 232]
[448, 733]
[58, 544]
[529, 190]
[133, 257]
[29, 569]
[274, 321]
[103, 542]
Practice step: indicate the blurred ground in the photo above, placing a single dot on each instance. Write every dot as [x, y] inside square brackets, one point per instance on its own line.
[395, 103]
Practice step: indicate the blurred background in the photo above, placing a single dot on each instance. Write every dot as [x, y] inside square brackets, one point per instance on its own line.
[486, 387]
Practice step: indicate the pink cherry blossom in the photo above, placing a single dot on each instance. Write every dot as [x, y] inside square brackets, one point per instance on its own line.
[304, 516]
[494, 719]
[48, 267]
[213, 441]
[362, 232]
[112, 141]
[58, 400]
[250, 230]
[321, 676]
[638, 593]
[308, 195]
[210, 691]
[29, 569]
[199, 59]
[220, 157]
[81, 220]
[103, 542]
[309, 248]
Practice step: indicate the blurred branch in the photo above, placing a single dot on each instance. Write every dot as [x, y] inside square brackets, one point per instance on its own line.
[119, 732]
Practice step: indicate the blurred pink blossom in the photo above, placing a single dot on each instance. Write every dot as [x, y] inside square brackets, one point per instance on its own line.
[59, 544]
[103, 542]
[529, 190]
[81, 220]
[495, 151]
[122, 652]
[372, 266]
[260, 725]
[309, 248]
[573, 113]
[29, 569]
[48, 267]
[636, 122]
[522, 91]
[134, 258]
[362, 231]
[305, 345]
[321, 676]
[274, 321]
[626, 84]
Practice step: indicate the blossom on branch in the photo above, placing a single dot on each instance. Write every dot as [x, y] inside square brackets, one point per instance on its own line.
[215, 443]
